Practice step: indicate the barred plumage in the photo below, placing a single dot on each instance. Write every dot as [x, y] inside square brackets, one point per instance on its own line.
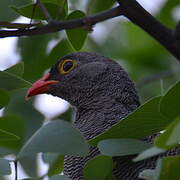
[102, 94]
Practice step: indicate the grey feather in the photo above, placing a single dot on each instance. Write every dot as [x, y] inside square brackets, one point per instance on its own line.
[102, 94]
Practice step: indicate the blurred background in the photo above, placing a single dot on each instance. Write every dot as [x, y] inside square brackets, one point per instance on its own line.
[152, 68]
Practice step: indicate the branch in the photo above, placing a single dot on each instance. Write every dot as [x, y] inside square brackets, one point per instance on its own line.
[44, 10]
[139, 16]
[16, 169]
[55, 26]
[129, 8]
[9, 25]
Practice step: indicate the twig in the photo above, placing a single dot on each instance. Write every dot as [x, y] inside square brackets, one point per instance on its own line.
[16, 170]
[10, 25]
[129, 8]
[155, 77]
[33, 12]
[44, 10]
[55, 26]
[177, 31]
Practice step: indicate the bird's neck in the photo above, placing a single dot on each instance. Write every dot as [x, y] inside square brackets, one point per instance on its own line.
[95, 116]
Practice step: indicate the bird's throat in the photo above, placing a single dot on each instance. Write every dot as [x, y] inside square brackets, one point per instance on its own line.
[95, 120]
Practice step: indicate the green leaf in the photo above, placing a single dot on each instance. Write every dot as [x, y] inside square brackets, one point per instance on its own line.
[169, 168]
[10, 81]
[6, 13]
[32, 120]
[68, 115]
[7, 136]
[59, 177]
[95, 6]
[55, 161]
[17, 69]
[153, 151]
[99, 167]
[33, 54]
[171, 137]
[58, 137]
[5, 168]
[61, 3]
[56, 12]
[146, 118]
[5, 151]
[14, 125]
[122, 147]
[4, 98]
[170, 103]
[30, 165]
[60, 49]
[166, 13]
[77, 36]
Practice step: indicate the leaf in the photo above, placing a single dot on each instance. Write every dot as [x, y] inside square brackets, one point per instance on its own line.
[56, 12]
[4, 98]
[6, 13]
[7, 136]
[61, 3]
[169, 168]
[33, 54]
[170, 103]
[77, 36]
[55, 161]
[153, 151]
[171, 137]
[32, 118]
[59, 177]
[58, 137]
[146, 119]
[14, 126]
[5, 168]
[60, 49]
[5, 151]
[17, 69]
[166, 13]
[30, 165]
[99, 167]
[68, 115]
[10, 81]
[122, 147]
[95, 6]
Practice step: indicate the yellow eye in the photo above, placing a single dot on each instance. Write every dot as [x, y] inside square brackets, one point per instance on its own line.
[67, 65]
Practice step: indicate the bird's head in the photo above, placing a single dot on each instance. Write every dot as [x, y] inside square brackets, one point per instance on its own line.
[84, 77]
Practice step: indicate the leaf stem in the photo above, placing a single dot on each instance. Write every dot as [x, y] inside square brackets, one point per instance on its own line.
[44, 10]
[16, 169]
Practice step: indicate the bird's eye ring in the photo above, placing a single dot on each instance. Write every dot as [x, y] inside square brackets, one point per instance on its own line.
[66, 66]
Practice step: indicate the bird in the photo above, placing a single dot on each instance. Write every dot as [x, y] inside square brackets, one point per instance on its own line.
[101, 93]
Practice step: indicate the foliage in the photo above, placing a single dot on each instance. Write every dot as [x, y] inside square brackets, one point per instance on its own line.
[22, 132]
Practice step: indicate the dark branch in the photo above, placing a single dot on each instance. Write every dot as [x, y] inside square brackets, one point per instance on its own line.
[129, 8]
[139, 16]
[16, 170]
[55, 26]
[44, 10]
[9, 25]
[177, 31]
